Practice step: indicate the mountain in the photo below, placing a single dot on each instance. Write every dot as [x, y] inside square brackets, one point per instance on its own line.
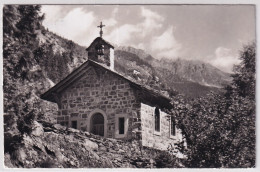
[188, 77]
[195, 71]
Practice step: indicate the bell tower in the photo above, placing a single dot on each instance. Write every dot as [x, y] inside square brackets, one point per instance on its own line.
[101, 51]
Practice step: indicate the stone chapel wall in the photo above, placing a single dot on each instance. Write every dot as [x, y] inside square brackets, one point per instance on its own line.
[150, 138]
[99, 89]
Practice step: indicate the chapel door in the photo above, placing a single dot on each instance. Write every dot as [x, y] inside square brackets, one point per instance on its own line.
[97, 124]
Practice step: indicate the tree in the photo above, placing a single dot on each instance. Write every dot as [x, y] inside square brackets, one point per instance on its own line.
[30, 20]
[220, 130]
[19, 42]
[244, 73]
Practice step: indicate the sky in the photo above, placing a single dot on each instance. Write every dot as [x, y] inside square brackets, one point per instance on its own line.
[214, 34]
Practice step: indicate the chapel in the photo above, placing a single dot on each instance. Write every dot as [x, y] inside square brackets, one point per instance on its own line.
[98, 99]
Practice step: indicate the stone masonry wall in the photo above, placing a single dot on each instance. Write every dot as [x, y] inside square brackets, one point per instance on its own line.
[150, 137]
[99, 89]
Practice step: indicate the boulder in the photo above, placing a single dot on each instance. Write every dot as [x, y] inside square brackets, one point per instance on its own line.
[59, 127]
[89, 145]
[37, 129]
[7, 161]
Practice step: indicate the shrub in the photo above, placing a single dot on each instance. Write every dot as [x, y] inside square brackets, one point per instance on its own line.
[166, 160]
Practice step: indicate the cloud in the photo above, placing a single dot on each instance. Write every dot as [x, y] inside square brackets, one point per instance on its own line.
[224, 59]
[115, 11]
[122, 34]
[127, 34]
[170, 54]
[112, 21]
[140, 46]
[71, 25]
[52, 13]
[166, 45]
[152, 20]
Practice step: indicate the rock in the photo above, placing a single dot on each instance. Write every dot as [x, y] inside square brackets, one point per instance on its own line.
[59, 149]
[95, 155]
[112, 140]
[89, 145]
[7, 161]
[87, 133]
[72, 163]
[20, 155]
[73, 130]
[69, 138]
[59, 127]
[60, 157]
[110, 145]
[37, 129]
[102, 148]
[121, 151]
[118, 159]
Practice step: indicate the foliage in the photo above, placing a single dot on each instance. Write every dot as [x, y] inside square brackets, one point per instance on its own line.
[244, 73]
[166, 160]
[12, 142]
[54, 64]
[30, 21]
[20, 24]
[48, 163]
[220, 130]
[32, 56]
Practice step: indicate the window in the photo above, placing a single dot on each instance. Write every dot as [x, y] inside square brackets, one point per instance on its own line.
[74, 124]
[100, 49]
[157, 119]
[172, 126]
[121, 125]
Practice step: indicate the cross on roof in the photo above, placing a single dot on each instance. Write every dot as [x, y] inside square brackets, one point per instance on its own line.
[101, 32]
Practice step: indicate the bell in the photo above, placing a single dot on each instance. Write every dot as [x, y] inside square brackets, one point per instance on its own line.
[100, 49]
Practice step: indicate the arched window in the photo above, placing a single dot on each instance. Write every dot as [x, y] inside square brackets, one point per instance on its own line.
[157, 119]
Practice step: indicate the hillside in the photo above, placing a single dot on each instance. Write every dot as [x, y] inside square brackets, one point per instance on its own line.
[190, 78]
[34, 59]
[55, 146]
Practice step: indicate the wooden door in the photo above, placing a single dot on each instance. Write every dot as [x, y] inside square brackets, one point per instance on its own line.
[97, 124]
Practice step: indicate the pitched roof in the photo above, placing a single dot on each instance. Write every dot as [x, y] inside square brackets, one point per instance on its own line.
[100, 40]
[148, 94]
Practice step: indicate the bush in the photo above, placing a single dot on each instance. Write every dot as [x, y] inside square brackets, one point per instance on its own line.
[11, 143]
[48, 163]
[166, 160]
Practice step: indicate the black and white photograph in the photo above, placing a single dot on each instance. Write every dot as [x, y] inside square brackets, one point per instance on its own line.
[114, 86]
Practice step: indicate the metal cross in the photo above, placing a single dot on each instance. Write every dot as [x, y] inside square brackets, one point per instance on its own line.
[101, 32]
